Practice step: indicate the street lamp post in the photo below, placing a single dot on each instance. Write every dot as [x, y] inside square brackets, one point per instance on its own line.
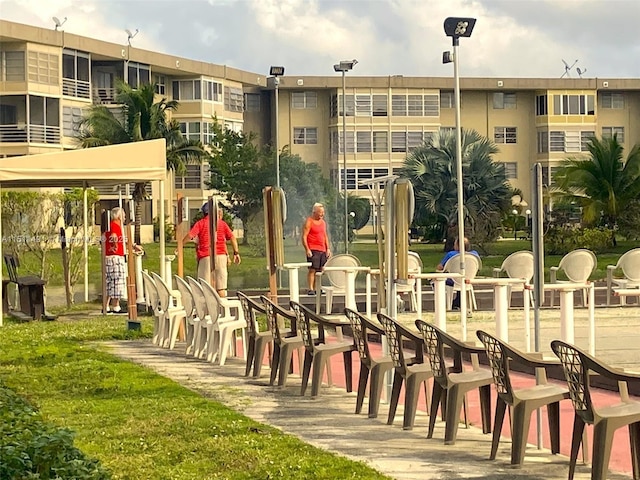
[515, 224]
[277, 72]
[455, 28]
[344, 66]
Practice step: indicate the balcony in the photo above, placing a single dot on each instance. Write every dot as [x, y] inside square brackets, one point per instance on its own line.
[104, 96]
[23, 133]
[76, 88]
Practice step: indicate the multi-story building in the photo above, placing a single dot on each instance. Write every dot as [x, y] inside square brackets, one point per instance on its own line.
[49, 78]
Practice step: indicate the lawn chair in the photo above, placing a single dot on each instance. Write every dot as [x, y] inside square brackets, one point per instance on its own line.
[171, 313]
[473, 265]
[203, 327]
[188, 304]
[577, 265]
[256, 340]
[578, 366]
[452, 384]
[523, 401]
[517, 265]
[415, 266]
[629, 263]
[153, 302]
[337, 280]
[372, 369]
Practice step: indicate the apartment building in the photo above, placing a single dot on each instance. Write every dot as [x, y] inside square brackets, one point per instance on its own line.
[49, 78]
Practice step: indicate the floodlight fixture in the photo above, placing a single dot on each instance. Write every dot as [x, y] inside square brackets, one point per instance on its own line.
[58, 23]
[456, 27]
[345, 65]
[276, 71]
[447, 57]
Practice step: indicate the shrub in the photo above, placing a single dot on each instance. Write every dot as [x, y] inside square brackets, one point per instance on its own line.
[32, 449]
[560, 240]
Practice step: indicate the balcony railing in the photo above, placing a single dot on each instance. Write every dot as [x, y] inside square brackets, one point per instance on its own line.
[76, 88]
[23, 133]
[105, 96]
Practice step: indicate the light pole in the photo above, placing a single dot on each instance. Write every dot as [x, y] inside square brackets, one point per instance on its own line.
[528, 214]
[515, 224]
[277, 72]
[344, 66]
[455, 28]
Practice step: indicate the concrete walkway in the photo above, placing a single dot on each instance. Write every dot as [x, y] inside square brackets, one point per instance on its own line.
[329, 423]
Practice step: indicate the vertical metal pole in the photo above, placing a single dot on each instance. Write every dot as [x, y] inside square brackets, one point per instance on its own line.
[463, 285]
[344, 160]
[277, 81]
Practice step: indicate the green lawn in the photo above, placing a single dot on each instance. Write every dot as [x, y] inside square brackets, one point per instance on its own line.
[141, 425]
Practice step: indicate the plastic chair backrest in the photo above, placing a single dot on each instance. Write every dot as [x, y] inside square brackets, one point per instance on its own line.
[578, 265]
[164, 294]
[415, 263]
[338, 279]
[473, 265]
[269, 310]
[519, 265]
[12, 263]
[151, 291]
[434, 349]
[499, 362]
[359, 331]
[249, 313]
[303, 323]
[630, 264]
[186, 296]
[394, 339]
[199, 300]
[575, 372]
[211, 299]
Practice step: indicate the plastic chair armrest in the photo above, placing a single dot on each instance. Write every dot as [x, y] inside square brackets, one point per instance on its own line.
[496, 272]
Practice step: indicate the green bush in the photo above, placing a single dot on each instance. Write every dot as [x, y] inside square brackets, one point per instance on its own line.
[31, 449]
[562, 240]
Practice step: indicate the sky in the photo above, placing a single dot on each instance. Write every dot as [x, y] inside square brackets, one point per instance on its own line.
[512, 38]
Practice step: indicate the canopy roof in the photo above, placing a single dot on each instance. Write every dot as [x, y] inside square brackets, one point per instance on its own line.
[123, 163]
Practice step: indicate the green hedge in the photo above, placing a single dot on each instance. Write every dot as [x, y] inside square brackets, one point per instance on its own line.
[32, 449]
[562, 240]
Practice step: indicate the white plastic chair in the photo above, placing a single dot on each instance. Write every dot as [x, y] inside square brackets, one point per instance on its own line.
[629, 263]
[204, 325]
[415, 266]
[472, 265]
[337, 280]
[517, 265]
[152, 298]
[188, 303]
[172, 313]
[224, 322]
[577, 265]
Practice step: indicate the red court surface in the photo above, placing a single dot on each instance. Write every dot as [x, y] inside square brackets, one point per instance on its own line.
[621, 452]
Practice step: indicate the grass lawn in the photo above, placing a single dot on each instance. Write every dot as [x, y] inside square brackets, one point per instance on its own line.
[141, 425]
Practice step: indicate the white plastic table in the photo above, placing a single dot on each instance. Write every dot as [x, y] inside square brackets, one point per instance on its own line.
[350, 287]
[439, 295]
[294, 288]
[567, 325]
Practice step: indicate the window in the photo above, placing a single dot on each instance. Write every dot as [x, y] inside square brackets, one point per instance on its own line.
[398, 141]
[186, 90]
[543, 142]
[572, 142]
[541, 105]
[350, 111]
[447, 100]
[233, 99]
[363, 142]
[190, 130]
[573, 105]
[350, 142]
[380, 108]
[71, 117]
[380, 142]
[138, 74]
[194, 178]
[414, 140]
[75, 73]
[556, 141]
[431, 106]
[502, 100]
[510, 169]
[12, 66]
[43, 68]
[211, 91]
[251, 102]
[612, 100]
[44, 119]
[364, 174]
[160, 82]
[305, 135]
[585, 138]
[505, 135]
[609, 132]
[414, 105]
[399, 105]
[301, 100]
[363, 105]
[448, 130]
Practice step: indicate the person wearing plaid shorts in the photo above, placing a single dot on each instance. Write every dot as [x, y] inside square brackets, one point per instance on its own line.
[116, 272]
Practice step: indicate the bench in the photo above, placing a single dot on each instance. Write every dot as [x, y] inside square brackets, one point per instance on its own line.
[30, 289]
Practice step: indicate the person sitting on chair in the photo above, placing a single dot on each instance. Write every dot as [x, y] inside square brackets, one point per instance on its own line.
[445, 259]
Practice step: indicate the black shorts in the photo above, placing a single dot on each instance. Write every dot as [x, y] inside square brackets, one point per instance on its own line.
[317, 259]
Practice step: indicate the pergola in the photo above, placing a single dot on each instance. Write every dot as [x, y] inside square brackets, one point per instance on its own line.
[84, 168]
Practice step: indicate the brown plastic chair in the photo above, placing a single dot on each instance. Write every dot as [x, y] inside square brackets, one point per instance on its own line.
[451, 384]
[413, 372]
[285, 340]
[257, 340]
[577, 366]
[524, 400]
[369, 366]
[318, 351]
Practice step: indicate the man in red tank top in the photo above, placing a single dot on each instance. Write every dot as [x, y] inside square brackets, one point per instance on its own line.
[316, 244]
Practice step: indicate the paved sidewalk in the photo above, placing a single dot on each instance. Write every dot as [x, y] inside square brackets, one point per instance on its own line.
[329, 423]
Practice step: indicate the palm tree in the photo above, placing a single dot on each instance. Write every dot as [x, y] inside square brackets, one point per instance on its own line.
[432, 171]
[140, 118]
[603, 184]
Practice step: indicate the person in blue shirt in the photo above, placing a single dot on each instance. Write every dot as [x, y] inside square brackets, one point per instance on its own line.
[445, 259]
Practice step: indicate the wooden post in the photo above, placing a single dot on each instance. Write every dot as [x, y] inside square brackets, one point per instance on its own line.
[104, 228]
[180, 233]
[270, 238]
[132, 307]
[213, 224]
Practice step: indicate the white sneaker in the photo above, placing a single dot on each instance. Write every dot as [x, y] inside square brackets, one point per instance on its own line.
[116, 309]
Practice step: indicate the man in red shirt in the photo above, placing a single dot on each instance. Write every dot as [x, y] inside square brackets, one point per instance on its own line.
[200, 233]
[316, 244]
